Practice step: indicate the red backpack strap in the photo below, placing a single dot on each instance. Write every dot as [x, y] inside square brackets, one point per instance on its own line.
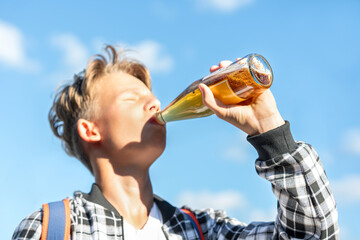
[56, 222]
[194, 222]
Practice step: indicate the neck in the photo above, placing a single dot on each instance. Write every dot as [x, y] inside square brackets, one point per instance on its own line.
[129, 191]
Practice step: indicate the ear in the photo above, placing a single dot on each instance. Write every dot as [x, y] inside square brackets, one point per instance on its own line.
[88, 131]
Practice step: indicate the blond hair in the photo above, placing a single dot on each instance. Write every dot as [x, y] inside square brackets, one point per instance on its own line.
[76, 99]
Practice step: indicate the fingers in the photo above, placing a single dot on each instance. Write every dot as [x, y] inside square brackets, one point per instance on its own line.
[210, 101]
[225, 63]
[213, 68]
[222, 64]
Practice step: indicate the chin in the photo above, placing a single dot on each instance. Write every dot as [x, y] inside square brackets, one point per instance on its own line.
[157, 146]
[153, 141]
[155, 137]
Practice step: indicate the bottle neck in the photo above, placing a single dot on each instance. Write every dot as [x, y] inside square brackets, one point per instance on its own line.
[159, 118]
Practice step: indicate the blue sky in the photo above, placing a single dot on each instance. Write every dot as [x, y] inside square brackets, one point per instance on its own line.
[312, 46]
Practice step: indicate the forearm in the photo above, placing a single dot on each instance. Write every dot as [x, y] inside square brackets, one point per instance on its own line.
[306, 205]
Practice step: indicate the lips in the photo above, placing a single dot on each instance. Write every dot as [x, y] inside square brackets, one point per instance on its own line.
[153, 120]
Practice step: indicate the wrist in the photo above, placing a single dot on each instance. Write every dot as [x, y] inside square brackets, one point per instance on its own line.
[273, 143]
[269, 123]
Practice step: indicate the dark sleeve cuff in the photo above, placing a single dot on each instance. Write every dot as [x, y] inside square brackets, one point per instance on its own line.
[274, 142]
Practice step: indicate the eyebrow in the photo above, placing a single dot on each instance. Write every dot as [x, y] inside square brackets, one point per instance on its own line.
[133, 90]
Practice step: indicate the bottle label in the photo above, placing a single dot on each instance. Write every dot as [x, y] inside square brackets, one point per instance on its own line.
[224, 93]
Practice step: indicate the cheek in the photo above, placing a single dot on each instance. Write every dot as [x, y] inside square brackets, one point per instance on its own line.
[124, 126]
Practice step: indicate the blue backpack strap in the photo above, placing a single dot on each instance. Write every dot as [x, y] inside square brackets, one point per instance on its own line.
[194, 222]
[56, 221]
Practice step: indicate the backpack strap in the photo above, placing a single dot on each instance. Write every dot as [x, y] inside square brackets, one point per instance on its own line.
[194, 222]
[56, 221]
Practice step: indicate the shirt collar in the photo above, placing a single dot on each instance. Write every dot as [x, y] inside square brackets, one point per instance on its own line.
[96, 196]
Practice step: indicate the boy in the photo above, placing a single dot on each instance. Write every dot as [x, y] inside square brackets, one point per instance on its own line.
[105, 119]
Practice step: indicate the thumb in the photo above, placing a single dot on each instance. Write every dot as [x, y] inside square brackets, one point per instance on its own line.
[210, 101]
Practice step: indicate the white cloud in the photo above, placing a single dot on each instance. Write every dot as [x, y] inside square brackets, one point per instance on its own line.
[262, 215]
[237, 150]
[225, 200]
[98, 45]
[326, 155]
[73, 57]
[74, 53]
[152, 54]
[346, 190]
[12, 49]
[223, 5]
[236, 154]
[351, 141]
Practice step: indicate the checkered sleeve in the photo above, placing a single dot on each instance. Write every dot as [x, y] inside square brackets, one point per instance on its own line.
[29, 227]
[306, 206]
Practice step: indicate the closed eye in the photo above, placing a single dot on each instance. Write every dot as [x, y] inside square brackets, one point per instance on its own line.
[129, 96]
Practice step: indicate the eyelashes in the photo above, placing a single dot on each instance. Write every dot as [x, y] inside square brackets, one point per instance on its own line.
[129, 97]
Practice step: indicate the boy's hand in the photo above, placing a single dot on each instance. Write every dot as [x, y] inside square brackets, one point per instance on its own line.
[260, 116]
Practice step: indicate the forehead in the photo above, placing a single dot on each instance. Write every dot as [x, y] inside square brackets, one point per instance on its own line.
[122, 81]
[119, 82]
[114, 84]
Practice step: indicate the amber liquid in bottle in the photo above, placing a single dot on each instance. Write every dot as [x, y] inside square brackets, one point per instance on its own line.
[243, 79]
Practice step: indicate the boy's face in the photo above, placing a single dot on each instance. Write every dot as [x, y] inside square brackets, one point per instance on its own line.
[126, 124]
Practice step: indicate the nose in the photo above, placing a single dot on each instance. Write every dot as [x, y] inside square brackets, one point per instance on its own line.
[153, 105]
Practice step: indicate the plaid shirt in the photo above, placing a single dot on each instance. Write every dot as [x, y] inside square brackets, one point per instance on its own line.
[306, 206]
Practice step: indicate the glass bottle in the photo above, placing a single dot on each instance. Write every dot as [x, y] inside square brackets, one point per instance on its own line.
[244, 79]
